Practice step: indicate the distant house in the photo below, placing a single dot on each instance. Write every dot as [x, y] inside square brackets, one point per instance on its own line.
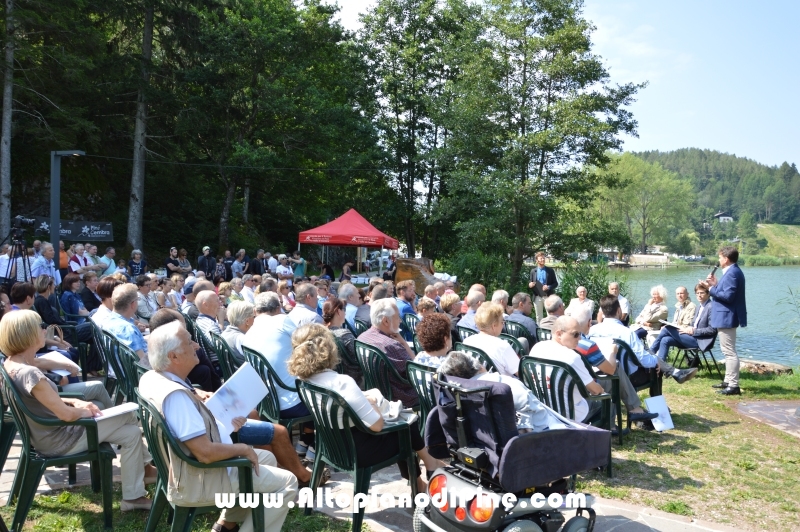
[723, 217]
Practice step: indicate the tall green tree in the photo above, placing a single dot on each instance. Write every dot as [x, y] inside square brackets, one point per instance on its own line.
[533, 119]
[650, 203]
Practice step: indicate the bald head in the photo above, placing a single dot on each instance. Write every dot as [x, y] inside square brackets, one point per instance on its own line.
[566, 332]
[475, 299]
[478, 288]
[207, 303]
[202, 286]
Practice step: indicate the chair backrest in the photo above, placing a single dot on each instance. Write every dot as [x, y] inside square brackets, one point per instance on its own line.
[515, 344]
[544, 334]
[190, 326]
[350, 327]
[626, 354]
[411, 322]
[421, 378]
[133, 370]
[113, 356]
[465, 332]
[224, 355]
[553, 383]
[480, 354]
[335, 441]
[270, 406]
[517, 330]
[377, 368]
[100, 345]
[361, 326]
[417, 346]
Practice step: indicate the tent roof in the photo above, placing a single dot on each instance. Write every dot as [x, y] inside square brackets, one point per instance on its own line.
[349, 229]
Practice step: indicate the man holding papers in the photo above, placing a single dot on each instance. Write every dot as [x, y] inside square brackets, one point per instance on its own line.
[694, 333]
[173, 355]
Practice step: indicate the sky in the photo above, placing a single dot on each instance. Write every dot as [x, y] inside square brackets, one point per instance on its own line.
[723, 75]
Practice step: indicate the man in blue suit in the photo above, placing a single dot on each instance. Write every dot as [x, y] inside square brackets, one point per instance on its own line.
[700, 335]
[728, 313]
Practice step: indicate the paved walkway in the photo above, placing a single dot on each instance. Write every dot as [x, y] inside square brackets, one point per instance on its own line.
[611, 515]
[779, 414]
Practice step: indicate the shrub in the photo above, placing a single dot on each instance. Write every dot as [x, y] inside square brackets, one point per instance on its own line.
[595, 277]
[492, 271]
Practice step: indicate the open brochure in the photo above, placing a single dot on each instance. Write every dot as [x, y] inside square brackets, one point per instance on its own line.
[237, 397]
[667, 324]
[391, 411]
[118, 410]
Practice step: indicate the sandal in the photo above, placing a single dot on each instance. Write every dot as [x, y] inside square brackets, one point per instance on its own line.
[324, 478]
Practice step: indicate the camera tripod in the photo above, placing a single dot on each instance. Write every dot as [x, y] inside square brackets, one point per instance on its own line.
[18, 257]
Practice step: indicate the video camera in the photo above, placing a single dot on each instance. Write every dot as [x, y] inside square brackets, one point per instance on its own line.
[19, 222]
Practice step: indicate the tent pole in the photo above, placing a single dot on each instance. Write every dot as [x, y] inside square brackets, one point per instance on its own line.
[380, 263]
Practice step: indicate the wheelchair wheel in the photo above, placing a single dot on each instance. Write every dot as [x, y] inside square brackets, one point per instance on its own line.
[576, 524]
[523, 526]
[417, 524]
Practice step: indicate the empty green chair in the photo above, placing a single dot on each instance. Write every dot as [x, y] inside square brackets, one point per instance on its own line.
[480, 354]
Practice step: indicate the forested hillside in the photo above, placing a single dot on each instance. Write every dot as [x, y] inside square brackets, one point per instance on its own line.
[725, 182]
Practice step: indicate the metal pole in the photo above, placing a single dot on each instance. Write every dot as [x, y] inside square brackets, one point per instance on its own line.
[55, 200]
[380, 264]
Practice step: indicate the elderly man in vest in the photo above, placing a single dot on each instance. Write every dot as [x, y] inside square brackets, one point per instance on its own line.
[172, 355]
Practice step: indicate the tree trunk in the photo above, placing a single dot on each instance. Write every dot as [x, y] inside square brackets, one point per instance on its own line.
[246, 202]
[519, 230]
[225, 216]
[136, 208]
[5, 137]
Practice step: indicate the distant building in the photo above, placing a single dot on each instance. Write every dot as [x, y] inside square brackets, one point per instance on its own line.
[723, 217]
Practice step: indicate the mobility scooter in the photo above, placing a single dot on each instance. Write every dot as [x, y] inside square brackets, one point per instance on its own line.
[500, 480]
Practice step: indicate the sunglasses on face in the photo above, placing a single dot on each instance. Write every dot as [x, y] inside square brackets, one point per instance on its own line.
[574, 334]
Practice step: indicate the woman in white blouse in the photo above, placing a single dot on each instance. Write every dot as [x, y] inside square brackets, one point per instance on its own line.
[313, 358]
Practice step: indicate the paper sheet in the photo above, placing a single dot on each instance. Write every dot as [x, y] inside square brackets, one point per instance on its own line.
[658, 404]
[237, 397]
[118, 410]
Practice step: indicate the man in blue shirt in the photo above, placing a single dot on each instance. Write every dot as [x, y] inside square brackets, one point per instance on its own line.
[473, 300]
[120, 322]
[406, 296]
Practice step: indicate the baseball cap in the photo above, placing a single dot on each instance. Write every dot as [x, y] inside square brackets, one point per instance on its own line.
[187, 288]
[281, 256]
[206, 248]
[173, 247]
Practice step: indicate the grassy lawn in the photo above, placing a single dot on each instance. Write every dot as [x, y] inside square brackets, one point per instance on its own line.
[784, 240]
[715, 465]
[80, 509]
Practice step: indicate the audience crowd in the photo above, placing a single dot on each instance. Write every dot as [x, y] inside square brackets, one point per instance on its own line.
[306, 327]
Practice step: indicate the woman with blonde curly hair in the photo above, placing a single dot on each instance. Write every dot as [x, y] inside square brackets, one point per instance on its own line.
[313, 358]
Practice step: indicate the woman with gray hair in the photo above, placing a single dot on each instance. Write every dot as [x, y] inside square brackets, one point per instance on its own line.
[532, 415]
[580, 301]
[648, 323]
[240, 317]
[268, 303]
[137, 265]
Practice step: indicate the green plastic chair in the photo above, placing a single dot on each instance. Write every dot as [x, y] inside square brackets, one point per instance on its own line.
[32, 464]
[544, 334]
[133, 369]
[159, 441]
[624, 355]
[101, 344]
[465, 332]
[334, 444]
[190, 326]
[517, 330]
[123, 390]
[553, 383]
[270, 406]
[377, 368]
[515, 344]
[480, 354]
[616, 398]
[417, 346]
[421, 378]
[411, 321]
[361, 326]
[224, 355]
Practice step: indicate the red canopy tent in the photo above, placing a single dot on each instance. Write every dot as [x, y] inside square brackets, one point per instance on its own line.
[349, 229]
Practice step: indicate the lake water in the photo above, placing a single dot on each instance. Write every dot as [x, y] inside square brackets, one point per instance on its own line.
[767, 335]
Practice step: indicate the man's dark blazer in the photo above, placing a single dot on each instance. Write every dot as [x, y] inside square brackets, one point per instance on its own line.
[704, 333]
[89, 300]
[729, 309]
[552, 282]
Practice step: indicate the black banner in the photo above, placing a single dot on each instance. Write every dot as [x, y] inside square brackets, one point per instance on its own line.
[75, 230]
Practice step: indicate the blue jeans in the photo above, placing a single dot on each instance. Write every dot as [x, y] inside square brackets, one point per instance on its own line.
[256, 432]
[669, 337]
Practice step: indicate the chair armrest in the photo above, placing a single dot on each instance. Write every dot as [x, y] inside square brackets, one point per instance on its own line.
[599, 397]
[230, 462]
[71, 395]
